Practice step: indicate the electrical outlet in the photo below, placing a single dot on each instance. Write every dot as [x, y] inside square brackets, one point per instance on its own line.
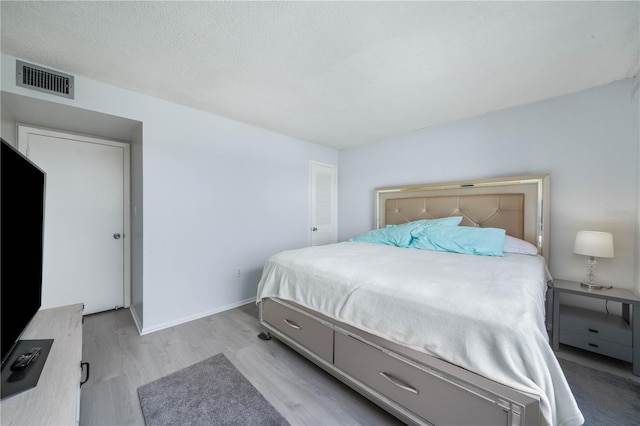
[238, 273]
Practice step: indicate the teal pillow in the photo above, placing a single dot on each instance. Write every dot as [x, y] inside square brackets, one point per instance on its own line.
[461, 239]
[394, 236]
[402, 235]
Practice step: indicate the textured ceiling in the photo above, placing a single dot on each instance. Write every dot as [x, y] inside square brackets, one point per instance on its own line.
[340, 74]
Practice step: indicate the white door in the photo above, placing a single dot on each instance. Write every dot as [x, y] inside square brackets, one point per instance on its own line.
[86, 218]
[324, 203]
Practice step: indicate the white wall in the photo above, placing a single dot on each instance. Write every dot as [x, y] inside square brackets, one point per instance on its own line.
[218, 195]
[586, 141]
[137, 227]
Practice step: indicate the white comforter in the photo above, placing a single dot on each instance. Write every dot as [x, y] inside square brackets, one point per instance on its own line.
[485, 314]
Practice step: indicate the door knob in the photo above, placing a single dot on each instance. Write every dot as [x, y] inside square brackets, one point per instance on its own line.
[116, 236]
[314, 229]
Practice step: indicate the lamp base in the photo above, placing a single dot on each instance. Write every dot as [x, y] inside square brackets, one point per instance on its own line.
[595, 286]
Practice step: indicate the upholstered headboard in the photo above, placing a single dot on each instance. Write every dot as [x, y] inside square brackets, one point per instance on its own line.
[517, 204]
[487, 210]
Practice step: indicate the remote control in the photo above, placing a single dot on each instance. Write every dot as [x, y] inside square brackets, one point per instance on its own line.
[25, 359]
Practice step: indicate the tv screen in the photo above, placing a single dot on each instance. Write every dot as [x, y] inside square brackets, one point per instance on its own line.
[22, 195]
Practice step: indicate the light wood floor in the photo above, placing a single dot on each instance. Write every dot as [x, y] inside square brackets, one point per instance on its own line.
[121, 361]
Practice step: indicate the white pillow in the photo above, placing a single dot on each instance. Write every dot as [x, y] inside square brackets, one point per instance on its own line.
[516, 245]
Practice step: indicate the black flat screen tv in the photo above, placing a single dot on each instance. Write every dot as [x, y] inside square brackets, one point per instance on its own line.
[22, 198]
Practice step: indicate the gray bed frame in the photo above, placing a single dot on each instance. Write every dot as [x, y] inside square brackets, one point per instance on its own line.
[413, 386]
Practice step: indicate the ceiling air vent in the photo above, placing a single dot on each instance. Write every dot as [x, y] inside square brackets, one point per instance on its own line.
[43, 79]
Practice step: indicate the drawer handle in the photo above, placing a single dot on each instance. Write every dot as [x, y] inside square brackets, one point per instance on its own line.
[292, 324]
[398, 383]
[592, 330]
[82, 364]
[593, 345]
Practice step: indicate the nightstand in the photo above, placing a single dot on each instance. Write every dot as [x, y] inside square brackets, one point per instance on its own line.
[605, 334]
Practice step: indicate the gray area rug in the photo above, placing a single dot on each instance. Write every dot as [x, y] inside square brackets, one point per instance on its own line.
[604, 398]
[210, 392]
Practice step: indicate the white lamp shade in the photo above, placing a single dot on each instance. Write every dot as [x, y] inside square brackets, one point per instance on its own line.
[594, 243]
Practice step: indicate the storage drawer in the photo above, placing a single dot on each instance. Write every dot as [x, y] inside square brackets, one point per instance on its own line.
[593, 344]
[596, 324]
[413, 387]
[304, 329]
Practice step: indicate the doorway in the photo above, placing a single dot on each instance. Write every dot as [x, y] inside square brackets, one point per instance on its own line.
[86, 238]
[323, 203]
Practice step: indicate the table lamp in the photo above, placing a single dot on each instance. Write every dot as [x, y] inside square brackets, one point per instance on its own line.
[593, 244]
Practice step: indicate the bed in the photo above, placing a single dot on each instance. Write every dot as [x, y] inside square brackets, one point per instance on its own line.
[433, 336]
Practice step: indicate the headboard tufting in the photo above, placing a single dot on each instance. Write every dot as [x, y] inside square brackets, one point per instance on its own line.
[487, 210]
[517, 204]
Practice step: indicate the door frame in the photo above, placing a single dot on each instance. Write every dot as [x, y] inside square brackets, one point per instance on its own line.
[24, 129]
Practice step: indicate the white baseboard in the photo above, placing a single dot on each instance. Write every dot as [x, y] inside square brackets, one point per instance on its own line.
[147, 330]
[136, 318]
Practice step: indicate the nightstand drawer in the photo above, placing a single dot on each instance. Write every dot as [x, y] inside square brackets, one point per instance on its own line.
[595, 325]
[601, 346]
